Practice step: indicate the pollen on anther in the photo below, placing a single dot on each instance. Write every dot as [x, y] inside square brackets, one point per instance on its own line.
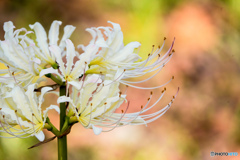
[8, 66]
[153, 45]
[33, 114]
[15, 111]
[124, 70]
[149, 54]
[105, 103]
[159, 55]
[91, 104]
[85, 62]
[100, 72]
[0, 108]
[165, 88]
[173, 50]
[122, 111]
[3, 116]
[149, 99]
[151, 92]
[13, 73]
[159, 47]
[141, 106]
[173, 97]
[172, 77]
[164, 38]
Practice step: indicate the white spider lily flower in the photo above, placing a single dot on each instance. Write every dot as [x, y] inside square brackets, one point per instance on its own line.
[112, 56]
[26, 60]
[18, 56]
[53, 37]
[95, 105]
[20, 113]
[72, 71]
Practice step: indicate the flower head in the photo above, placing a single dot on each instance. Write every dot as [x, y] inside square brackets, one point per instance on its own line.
[25, 59]
[21, 113]
[109, 55]
[69, 72]
[53, 37]
[95, 105]
[89, 82]
[16, 53]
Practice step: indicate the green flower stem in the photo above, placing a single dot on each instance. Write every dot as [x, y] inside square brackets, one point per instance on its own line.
[55, 79]
[65, 125]
[49, 126]
[62, 141]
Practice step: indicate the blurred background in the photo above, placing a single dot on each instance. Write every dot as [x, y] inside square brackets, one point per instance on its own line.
[205, 116]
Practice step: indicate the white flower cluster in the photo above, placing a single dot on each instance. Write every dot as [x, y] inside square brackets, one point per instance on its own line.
[92, 78]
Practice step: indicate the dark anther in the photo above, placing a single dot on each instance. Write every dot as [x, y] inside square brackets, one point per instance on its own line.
[80, 76]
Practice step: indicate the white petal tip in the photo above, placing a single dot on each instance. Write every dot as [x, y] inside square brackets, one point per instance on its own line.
[96, 130]
[59, 22]
[40, 136]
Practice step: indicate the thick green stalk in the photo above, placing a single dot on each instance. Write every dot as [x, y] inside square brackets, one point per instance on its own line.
[62, 141]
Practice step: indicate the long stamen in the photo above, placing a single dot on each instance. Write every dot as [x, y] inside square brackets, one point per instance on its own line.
[9, 131]
[148, 87]
[90, 116]
[119, 120]
[19, 122]
[118, 78]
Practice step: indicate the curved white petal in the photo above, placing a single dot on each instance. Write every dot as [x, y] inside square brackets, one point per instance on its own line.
[45, 112]
[96, 130]
[21, 101]
[33, 103]
[41, 38]
[93, 34]
[40, 136]
[124, 53]
[49, 70]
[64, 99]
[101, 43]
[44, 90]
[70, 55]
[8, 28]
[117, 41]
[55, 107]
[68, 30]
[54, 32]
[76, 84]
[57, 52]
